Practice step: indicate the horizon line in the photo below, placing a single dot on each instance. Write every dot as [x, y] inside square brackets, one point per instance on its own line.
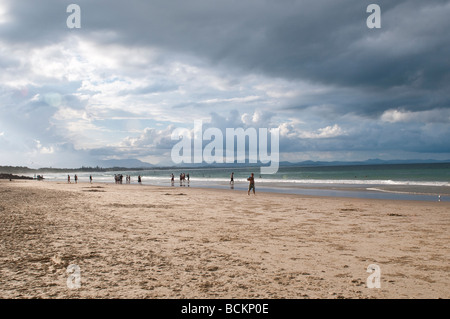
[242, 165]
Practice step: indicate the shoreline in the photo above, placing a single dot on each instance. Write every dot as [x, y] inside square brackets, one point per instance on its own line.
[383, 192]
[238, 193]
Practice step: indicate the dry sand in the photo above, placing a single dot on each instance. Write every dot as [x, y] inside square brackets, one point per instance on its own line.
[133, 241]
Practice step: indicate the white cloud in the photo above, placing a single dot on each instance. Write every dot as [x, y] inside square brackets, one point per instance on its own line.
[327, 132]
[431, 116]
[290, 131]
[44, 150]
[150, 138]
[393, 116]
[257, 119]
[3, 13]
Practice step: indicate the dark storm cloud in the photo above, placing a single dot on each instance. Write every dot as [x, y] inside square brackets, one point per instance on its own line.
[321, 41]
[370, 103]
[372, 137]
[34, 23]
[359, 77]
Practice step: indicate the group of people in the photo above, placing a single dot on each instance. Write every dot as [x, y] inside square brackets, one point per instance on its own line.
[119, 178]
[76, 179]
[250, 179]
[183, 178]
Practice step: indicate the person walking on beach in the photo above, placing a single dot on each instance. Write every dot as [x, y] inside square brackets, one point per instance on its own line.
[90, 179]
[172, 179]
[139, 179]
[232, 178]
[251, 186]
[68, 179]
[76, 179]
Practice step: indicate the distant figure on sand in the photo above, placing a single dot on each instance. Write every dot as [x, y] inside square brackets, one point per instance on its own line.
[251, 186]
[76, 179]
[172, 179]
[232, 178]
[139, 179]
[68, 179]
[90, 179]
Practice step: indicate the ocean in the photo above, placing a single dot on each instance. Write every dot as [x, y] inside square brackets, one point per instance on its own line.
[387, 181]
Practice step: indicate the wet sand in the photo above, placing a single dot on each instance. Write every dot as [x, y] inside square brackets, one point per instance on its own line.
[133, 241]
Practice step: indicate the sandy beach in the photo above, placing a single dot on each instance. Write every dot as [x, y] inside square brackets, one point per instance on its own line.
[133, 241]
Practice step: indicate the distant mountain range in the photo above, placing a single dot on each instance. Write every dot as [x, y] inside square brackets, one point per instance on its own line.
[317, 163]
[134, 164]
[375, 161]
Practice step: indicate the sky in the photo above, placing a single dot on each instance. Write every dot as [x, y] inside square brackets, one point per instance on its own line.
[117, 87]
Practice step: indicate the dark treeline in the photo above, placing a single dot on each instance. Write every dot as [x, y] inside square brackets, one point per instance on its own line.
[16, 169]
[27, 170]
[24, 169]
